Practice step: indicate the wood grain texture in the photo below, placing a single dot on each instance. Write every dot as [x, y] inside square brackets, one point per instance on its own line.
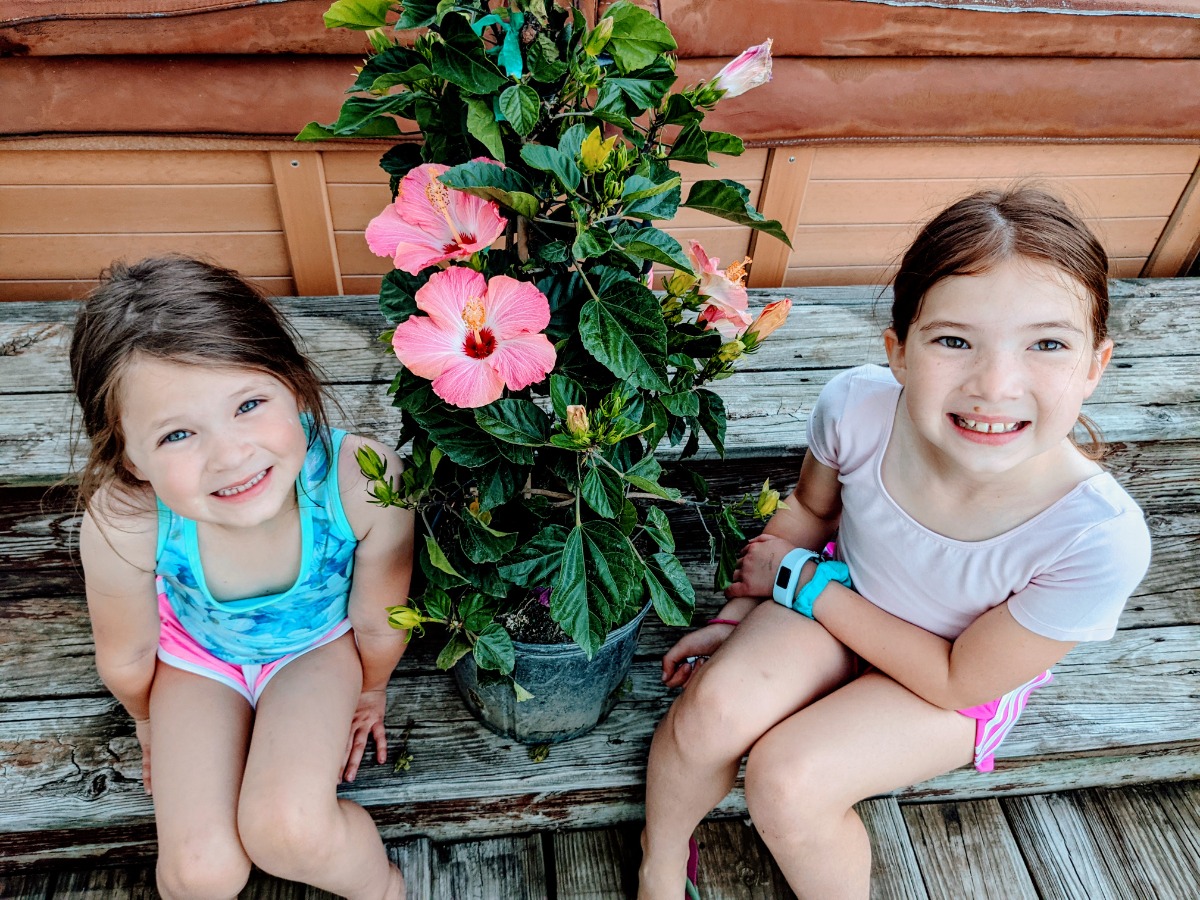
[895, 874]
[307, 223]
[126, 882]
[735, 863]
[484, 870]
[967, 850]
[26, 886]
[415, 860]
[599, 864]
[783, 197]
[122, 167]
[1179, 245]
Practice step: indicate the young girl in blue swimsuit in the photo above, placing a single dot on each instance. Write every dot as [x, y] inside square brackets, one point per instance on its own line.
[237, 580]
[976, 545]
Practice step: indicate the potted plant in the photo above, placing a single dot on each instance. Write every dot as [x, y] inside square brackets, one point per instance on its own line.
[539, 370]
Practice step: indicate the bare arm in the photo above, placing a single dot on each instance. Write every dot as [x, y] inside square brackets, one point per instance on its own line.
[994, 655]
[382, 570]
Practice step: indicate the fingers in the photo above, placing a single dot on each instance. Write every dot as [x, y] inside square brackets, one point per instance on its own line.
[380, 734]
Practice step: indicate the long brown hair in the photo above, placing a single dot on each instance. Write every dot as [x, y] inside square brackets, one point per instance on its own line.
[184, 310]
[980, 231]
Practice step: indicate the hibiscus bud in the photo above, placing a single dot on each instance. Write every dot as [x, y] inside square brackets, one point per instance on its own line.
[577, 421]
[370, 463]
[768, 501]
[730, 351]
[772, 316]
[750, 69]
[679, 284]
[379, 40]
[600, 36]
[406, 618]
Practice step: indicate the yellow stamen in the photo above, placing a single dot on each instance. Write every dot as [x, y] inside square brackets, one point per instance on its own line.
[474, 315]
[737, 272]
[439, 198]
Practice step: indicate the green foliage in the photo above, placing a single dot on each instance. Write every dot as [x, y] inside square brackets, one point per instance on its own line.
[564, 128]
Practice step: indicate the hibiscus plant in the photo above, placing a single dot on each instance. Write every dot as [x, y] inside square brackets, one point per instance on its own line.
[540, 372]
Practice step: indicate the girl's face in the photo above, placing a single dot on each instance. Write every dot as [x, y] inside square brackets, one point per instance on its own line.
[217, 445]
[996, 366]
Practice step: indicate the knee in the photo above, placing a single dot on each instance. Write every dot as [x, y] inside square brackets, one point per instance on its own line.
[708, 721]
[201, 869]
[287, 833]
[788, 787]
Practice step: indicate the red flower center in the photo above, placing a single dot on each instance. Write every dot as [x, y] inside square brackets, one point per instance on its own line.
[480, 346]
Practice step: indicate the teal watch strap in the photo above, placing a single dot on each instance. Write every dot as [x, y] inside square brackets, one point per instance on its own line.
[788, 575]
[827, 570]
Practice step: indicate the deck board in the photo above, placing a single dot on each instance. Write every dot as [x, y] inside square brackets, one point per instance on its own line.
[510, 867]
[600, 864]
[895, 873]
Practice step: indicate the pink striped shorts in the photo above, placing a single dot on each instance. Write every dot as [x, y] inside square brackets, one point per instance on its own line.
[995, 719]
[177, 648]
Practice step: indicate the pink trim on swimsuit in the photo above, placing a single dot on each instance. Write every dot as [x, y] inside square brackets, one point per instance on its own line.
[995, 719]
[177, 648]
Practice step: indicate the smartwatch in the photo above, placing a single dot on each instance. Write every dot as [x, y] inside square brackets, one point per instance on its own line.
[788, 576]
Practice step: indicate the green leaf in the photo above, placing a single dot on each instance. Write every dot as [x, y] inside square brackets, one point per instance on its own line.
[554, 161]
[455, 650]
[476, 611]
[494, 649]
[659, 529]
[400, 159]
[639, 187]
[662, 205]
[684, 403]
[657, 246]
[591, 243]
[417, 14]
[360, 15]
[498, 481]
[437, 604]
[358, 113]
[624, 330]
[391, 62]
[603, 491]
[722, 142]
[456, 433]
[492, 182]
[638, 37]
[483, 545]
[314, 131]
[522, 107]
[397, 295]
[728, 540]
[596, 583]
[565, 392]
[712, 418]
[475, 75]
[691, 146]
[671, 592]
[483, 126]
[438, 558]
[681, 111]
[544, 62]
[641, 90]
[515, 422]
[644, 476]
[730, 200]
[536, 563]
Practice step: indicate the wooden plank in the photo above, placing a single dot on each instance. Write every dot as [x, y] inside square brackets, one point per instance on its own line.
[821, 276]
[415, 860]
[27, 886]
[511, 867]
[173, 167]
[782, 199]
[1179, 245]
[1002, 160]
[127, 882]
[77, 289]
[72, 256]
[734, 862]
[1066, 857]
[967, 850]
[895, 874]
[599, 864]
[887, 201]
[307, 225]
[128, 209]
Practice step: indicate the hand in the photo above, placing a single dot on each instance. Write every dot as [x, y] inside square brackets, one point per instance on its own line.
[142, 730]
[368, 719]
[757, 566]
[676, 670]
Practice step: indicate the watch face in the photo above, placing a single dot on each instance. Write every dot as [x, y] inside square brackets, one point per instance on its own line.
[785, 574]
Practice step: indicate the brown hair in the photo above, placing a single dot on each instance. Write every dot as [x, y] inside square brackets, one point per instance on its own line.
[184, 310]
[988, 227]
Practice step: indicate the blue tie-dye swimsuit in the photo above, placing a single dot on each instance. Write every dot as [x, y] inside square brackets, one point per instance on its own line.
[259, 630]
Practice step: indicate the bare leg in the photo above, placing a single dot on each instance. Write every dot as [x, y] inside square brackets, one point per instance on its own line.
[805, 775]
[199, 733]
[775, 663]
[290, 819]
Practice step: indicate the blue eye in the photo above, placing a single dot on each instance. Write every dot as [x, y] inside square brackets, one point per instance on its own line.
[248, 405]
[175, 437]
[1050, 344]
[953, 343]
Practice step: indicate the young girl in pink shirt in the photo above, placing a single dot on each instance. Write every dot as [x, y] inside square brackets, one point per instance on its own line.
[976, 545]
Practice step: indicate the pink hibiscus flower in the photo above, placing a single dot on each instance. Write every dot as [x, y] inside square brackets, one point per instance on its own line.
[429, 223]
[478, 336]
[726, 306]
[747, 71]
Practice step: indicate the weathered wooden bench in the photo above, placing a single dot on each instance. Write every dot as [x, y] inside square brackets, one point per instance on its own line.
[1121, 712]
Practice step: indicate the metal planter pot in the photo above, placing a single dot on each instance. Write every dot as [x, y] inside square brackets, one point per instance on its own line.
[571, 694]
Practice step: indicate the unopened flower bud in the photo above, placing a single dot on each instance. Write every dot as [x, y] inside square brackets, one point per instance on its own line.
[768, 501]
[405, 618]
[370, 463]
[679, 283]
[750, 69]
[600, 36]
[577, 421]
[730, 351]
[772, 316]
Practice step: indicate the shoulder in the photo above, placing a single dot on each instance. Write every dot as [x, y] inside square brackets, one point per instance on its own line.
[847, 418]
[362, 513]
[1109, 521]
[862, 384]
[119, 532]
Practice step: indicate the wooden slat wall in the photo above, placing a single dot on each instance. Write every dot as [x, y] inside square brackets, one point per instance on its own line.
[851, 210]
